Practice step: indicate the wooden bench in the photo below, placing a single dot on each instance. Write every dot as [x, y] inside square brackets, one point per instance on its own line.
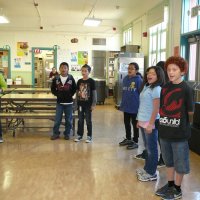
[17, 118]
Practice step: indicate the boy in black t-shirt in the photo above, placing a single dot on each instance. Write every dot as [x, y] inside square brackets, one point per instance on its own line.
[86, 100]
[176, 104]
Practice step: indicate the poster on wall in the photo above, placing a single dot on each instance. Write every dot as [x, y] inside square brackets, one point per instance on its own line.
[74, 57]
[82, 57]
[61, 56]
[17, 63]
[22, 49]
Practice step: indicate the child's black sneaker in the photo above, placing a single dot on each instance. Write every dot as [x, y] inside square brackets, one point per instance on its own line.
[55, 137]
[66, 137]
[126, 142]
[141, 156]
[78, 139]
[161, 191]
[132, 146]
[89, 139]
[171, 194]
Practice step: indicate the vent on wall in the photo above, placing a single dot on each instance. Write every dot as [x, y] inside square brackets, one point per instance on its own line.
[99, 41]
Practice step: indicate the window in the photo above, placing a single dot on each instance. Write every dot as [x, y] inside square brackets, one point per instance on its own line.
[192, 61]
[127, 36]
[189, 22]
[157, 41]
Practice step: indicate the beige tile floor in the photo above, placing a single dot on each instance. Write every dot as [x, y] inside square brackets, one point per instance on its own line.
[32, 167]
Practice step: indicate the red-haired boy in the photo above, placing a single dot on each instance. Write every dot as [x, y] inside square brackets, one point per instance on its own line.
[176, 104]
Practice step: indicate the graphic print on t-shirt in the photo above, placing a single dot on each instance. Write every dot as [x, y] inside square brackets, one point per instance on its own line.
[170, 112]
[131, 87]
[84, 92]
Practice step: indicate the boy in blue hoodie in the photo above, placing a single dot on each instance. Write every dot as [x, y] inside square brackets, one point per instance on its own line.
[130, 104]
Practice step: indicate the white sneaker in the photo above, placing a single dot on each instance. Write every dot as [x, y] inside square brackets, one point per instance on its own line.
[1, 140]
[78, 139]
[140, 171]
[89, 139]
[147, 177]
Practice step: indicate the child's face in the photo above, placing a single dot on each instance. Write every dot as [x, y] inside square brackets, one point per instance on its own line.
[85, 73]
[63, 70]
[54, 70]
[152, 76]
[174, 73]
[131, 70]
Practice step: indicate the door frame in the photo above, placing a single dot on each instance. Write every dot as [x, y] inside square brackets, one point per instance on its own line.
[7, 48]
[194, 40]
[54, 49]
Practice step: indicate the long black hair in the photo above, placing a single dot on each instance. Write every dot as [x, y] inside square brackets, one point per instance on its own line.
[160, 77]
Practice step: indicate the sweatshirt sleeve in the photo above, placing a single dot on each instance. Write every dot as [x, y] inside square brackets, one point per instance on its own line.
[53, 87]
[73, 86]
[3, 84]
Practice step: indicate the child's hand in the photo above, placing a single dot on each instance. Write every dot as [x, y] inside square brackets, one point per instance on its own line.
[92, 107]
[137, 125]
[149, 129]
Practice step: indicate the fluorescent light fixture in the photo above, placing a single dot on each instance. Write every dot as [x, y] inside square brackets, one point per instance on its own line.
[4, 20]
[91, 22]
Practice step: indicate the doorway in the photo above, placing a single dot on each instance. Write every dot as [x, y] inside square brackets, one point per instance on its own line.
[5, 62]
[43, 60]
[194, 64]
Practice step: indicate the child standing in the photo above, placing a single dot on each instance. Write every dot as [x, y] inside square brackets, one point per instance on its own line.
[129, 105]
[175, 107]
[86, 101]
[3, 86]
[64, 87]
[147, 116]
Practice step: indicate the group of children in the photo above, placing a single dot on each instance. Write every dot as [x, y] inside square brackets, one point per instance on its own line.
[160, 109]
[64, 87]
[156, 107]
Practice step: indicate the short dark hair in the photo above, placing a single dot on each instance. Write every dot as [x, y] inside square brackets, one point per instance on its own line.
[87, 67]
[135, 65]
[160, 76]
[179, 61]
[162, 65]
[64, 63]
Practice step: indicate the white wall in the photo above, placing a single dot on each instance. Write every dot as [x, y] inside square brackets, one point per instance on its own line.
[140, 25]
[45, 39]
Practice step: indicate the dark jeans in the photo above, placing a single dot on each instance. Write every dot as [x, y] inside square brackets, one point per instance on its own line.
[128, 119]
[84, 112]
[67, 109]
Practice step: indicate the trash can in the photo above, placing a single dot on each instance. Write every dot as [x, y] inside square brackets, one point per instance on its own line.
[101, 91]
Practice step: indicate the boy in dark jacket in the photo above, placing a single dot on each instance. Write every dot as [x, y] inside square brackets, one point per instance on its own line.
[176, 104]
[130, 104]
[64, 87]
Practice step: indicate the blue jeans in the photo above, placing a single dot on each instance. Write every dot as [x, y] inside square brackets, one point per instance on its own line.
[84, 112]
[152, 150]
[176, 154]
[67, 109]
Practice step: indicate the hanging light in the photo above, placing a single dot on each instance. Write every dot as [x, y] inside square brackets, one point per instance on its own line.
[3, 19]
[92, 21]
